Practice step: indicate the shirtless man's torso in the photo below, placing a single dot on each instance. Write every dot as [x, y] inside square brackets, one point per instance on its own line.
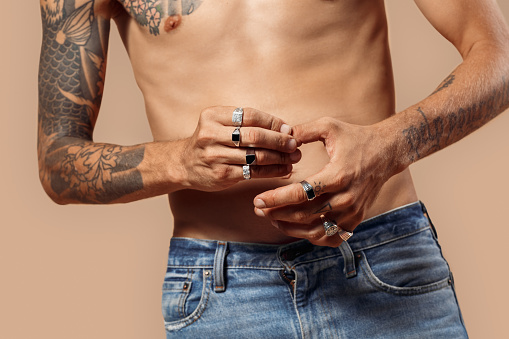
[298, 62]
[285, 61]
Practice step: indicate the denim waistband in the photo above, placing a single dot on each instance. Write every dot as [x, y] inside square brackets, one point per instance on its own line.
[392, 225]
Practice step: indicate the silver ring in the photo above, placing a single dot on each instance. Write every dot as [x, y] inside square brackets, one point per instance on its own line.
[237, 116]
[236, 136]
[345, 235]
[250, 156]
[310, 192]
[246, 172]
[329, 226]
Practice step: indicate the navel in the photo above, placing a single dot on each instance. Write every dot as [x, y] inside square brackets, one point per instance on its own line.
[172, 22]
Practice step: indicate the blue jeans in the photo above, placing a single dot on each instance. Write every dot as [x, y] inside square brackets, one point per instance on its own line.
[389, 280]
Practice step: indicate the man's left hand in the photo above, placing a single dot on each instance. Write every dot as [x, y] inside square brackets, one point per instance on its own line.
[360, 163]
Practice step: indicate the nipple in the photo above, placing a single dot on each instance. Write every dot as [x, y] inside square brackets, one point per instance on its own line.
[172, 22]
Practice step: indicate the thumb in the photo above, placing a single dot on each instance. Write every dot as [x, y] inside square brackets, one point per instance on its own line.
[312, 131]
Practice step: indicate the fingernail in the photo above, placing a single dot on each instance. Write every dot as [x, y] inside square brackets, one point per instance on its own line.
[275, 223]
[295, 156]
[259, 203]
[287, 129]
[292, 144]
[259, 212]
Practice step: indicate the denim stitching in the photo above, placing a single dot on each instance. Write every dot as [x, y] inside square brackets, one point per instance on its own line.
[180, 324]
[392, 239]
[405, 291]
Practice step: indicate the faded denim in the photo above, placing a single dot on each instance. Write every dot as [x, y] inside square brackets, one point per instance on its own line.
[389, 280]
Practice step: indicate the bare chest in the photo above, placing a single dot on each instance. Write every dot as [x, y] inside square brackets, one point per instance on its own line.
[160, 17]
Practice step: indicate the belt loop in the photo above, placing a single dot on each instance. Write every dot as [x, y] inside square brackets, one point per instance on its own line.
[425, 211]
[349, 259]
[219, 269]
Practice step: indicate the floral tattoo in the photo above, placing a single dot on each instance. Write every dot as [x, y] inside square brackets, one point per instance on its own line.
[148, 13]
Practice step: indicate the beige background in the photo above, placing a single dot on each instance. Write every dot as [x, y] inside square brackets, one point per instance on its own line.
[96, 271]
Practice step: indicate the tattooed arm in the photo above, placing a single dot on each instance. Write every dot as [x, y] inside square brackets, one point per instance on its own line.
[473, 94]
[74, 169]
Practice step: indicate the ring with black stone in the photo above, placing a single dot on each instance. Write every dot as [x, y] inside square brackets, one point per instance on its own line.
[250, 156]
[310, 192]
[236, 136]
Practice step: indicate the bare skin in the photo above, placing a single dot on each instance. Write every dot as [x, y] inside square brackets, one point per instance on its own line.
[322, 67]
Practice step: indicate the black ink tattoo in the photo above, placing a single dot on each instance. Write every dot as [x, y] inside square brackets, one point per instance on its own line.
[430, 136]
[324, 209]
[147, 13]
[98, 173]
[318, 188]
[150, 13]
[425, 133]
[446, 83]
[71, 81]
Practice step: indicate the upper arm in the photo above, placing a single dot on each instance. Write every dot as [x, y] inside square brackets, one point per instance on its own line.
[467, 22]
[72, 67]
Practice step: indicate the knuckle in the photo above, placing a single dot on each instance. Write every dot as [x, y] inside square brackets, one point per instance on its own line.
[297, 194]
[221, 173]
[261, 157]
[253, 136]
[281, 141]
[348, 200]
[275, 124]
[283, 158]
[207, 113]
[300, 217]
[204, 135]
[315, 235]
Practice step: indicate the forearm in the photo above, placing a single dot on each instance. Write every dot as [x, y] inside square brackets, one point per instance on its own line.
[74, 170]
[475, 93]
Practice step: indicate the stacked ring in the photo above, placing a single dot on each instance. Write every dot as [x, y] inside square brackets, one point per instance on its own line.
[236, 136]
[237, 116]
[246, 172]
[250, 156]
[329, 226]
[345, 235]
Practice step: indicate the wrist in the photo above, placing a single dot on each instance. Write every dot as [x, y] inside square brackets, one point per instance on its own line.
[391, 147]
[164, 166]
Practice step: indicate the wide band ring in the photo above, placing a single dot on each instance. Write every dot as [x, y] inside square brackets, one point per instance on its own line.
[250, 156]
[246, 172]
[310, 192]
[329, 226]
[237, 117]
[236, 136]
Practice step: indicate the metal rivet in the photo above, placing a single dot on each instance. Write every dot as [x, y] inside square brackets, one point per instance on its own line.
[207, 273]
[186, 286]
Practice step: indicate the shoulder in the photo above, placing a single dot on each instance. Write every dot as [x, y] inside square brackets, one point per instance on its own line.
[53, 11]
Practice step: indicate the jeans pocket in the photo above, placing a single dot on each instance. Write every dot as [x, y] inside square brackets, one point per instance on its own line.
[185, 295]
[407, 266]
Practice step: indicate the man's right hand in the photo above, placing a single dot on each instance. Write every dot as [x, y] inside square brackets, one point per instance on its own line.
[212, 162]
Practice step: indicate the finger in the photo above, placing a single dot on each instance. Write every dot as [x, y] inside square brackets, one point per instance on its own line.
[258, 138]
[262, 157]
[289, 195]
[315, 233]
[251, 118]
[317, 130]
[270, 171]
[302, 213]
